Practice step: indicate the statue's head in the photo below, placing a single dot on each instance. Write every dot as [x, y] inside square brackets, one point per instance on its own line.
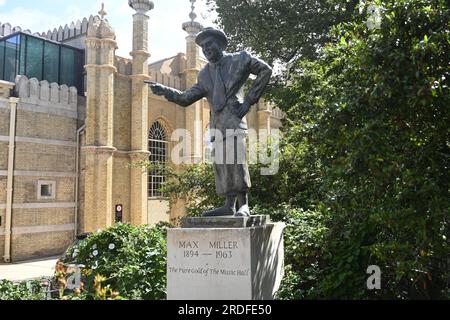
[213, 42]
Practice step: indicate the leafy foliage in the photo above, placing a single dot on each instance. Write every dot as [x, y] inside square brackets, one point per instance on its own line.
[365, 162]
[123, 259]
[25, 290]
[281, 30]
[305, 248]
[374, 110]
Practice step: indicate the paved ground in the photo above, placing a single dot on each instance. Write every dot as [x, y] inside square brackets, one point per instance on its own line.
[28, 269]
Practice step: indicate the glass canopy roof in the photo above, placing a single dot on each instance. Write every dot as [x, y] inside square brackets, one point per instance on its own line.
[34, 57]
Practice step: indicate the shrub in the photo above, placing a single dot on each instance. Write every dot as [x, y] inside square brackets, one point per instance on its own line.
[374, 110]
[25, 290]
[122, 260]
[304, 249]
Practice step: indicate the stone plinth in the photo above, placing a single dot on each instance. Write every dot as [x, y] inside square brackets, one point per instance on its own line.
[225, 263]
[224, 222]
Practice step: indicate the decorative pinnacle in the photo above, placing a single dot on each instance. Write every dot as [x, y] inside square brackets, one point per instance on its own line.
[192, 27]
[141, 6]
[102, 12]
[192, 15]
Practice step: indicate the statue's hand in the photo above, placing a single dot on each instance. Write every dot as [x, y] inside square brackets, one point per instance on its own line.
[157, 89]
[243, 109]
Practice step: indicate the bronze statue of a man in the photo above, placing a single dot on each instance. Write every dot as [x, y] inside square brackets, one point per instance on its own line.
[221, 81]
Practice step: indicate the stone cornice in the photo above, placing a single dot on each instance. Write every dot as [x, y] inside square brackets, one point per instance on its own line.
[141, 6]
[140, 77]
[269, 112]
[101, 66]
[138, 153]
[192, 27]
[7, 83]
[123, 76]
[144, 53]
[132, 152]
[101, 41]
[141, 14]
[99, 149]
[193, 70]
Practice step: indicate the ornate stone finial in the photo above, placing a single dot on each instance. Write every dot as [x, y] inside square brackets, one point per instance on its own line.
[192, 15]
[101, 28]
[102, 12]
[141, 6]
[192, 27]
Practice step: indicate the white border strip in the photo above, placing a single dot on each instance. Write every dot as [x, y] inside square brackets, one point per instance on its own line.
[18, 173]
[59, 205]
[55, 111]
[41, 141]
[40, 229]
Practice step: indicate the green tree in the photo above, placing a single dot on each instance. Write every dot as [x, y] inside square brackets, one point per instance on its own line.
[25, 290]
[121, 260]
[366, 145]
[281, 30]
[375, 111]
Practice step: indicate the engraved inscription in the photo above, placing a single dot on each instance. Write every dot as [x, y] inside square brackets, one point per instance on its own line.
[188, 244]
[205, 271]
[217, 249]
[230, 245]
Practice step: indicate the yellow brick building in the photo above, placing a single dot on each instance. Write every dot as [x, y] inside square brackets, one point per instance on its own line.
[72, 122]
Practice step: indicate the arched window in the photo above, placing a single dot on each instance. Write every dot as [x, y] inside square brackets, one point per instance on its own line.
[158, 147]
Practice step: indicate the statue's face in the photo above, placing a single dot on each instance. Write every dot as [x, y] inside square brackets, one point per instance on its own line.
[212, 49]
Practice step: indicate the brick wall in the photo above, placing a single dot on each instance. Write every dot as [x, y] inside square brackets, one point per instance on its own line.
[37, 245]
[45, 149]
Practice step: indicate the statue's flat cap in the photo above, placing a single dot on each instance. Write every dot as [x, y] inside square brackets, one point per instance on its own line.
[211, 32]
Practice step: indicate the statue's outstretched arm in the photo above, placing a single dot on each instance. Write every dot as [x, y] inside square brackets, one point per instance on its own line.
[183, 99]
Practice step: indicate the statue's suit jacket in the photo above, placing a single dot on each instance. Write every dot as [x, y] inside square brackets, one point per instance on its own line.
[222, 85]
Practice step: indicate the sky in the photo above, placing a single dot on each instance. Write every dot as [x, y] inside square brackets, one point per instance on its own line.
[166, 38]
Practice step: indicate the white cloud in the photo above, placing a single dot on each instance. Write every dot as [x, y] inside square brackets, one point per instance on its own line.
[27, 18]
[2, 2]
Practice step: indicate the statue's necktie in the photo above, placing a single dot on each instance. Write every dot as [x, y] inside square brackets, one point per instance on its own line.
[219, 97]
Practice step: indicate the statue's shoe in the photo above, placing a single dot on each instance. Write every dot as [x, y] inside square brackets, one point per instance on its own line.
[220, 212]
[244, 211]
